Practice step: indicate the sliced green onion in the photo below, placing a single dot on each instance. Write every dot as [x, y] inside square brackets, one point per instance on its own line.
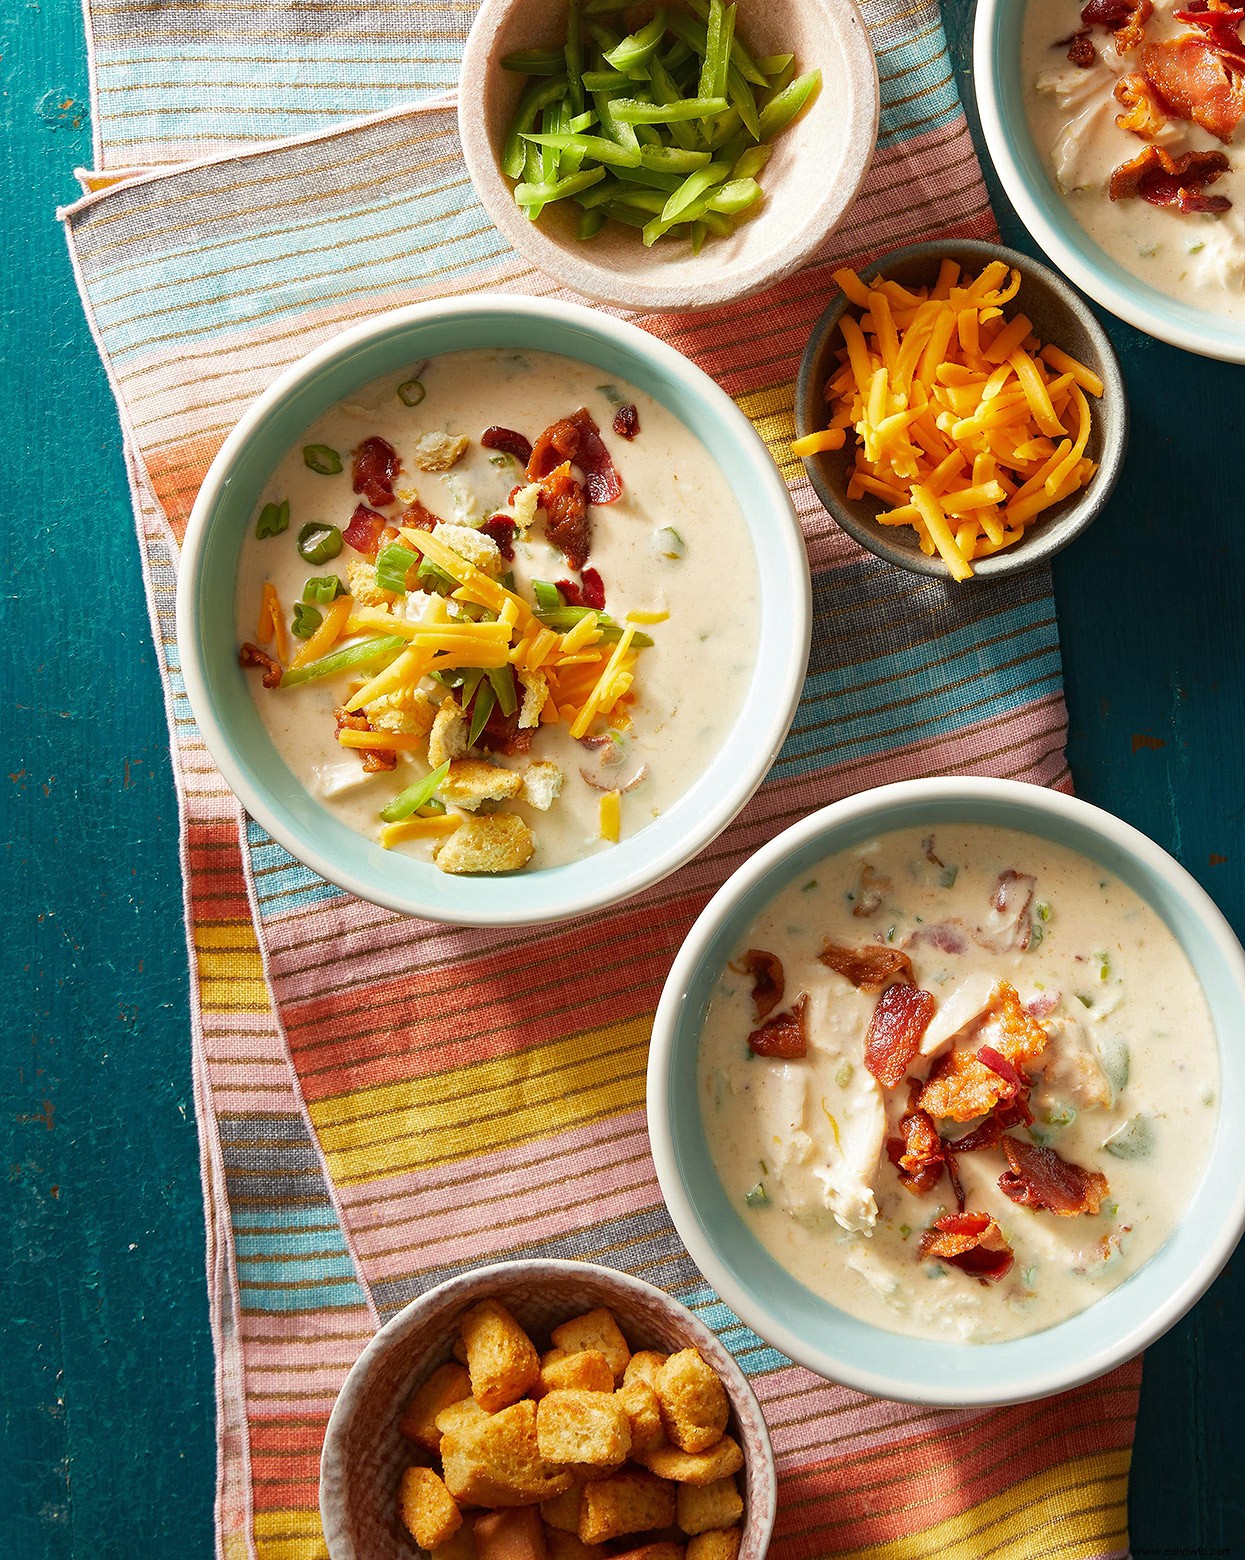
[306, 620]
[699, 233]
[548, 597]
[648, 179]
[319, 457]
[564, 618]
[273, 519]
[415, 796]
[502, 679]
[434, 807]
[597, 146]
[782, 109]
[780, 82]
[321, 589]
[535, 62]
[631, 111]
[581, 122]
[319, 543]
[481, 709]
[345, 660]
[724, 60]
[411, 392]
[620, 211]
[758, 1197]
[441, 582]
[535, 99]
[393, 563]
[665, 90]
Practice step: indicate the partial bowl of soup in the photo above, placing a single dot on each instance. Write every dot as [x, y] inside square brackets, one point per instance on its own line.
[494, 611]
[1118, 139]
[946, 1092]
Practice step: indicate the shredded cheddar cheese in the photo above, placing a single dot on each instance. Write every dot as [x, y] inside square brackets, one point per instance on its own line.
[610, 813]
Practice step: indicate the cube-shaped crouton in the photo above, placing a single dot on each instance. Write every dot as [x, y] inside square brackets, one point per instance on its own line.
[454, 1415]
[643, 1414]
[542, 782]
[668, 1462]
[599, 1331]
[472, 781]
[716, 1505]
[427, 1508]
[449, 735]
[716, 1544]
[459, 1546]
[568, 1546]
[563, 1510]
[587, 1370]
[440, 451]
[536, 788]
[574, 1426]
[501, 1358]
[516, 1534]
[494, 1459]
[447, 1384]
[662, 1549]
[630, 1501]
[645, 1364]
[494, 842]
[694, 1404]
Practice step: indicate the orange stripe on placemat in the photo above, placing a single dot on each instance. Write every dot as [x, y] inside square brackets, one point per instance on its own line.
[166, 470]
[287, 1437]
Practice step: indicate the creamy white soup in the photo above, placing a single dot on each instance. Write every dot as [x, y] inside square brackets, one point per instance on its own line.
[1152, 113]
[959, 1083]
[528, 583]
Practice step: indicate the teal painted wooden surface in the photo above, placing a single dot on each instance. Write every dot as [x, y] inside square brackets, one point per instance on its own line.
[106, 1399]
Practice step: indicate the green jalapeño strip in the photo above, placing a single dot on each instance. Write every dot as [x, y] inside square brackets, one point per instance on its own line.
[415, 796]
[666, 130]
[350, 658]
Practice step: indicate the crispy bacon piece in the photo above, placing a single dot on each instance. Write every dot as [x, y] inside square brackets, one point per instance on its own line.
[601, 479]
[501, 528]
[783, 1035]
[1125, 18]
[1155, 175]
[571, 593]
[593, 590]
[626, 421]
[1024, 1036]
[503, 734]
[1081, 51]
[418, 518]
[961, 1088]
[953, 1175]
[252, 655]
[868, 968]
[918, 1153]
[558, 443]
[966, 1084]
[1221, 24]
[566, 514]
[1017, 1095]
[1143, 113]
[768, 980]
[972, 1242]
[1193, 79]
[374, 760]
[895, 1032]
[508, 442]
[1106, 13]
[1131, 33]
[947, 936]
[1041, 1178]
[376, 469]
[365, 531]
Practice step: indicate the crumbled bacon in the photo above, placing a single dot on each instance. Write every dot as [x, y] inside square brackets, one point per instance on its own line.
[601, 479]
[501, 528]
[953, 1175]
[508, 442]
[1192, 77]
[365, 531]
[1131, 33]
[376, 469]
[895, 1031]
[1155, 175]
[566, 514]
[947, 936]
[961, 1088]
[917, 1154]
[626, 421]
[1106, 13]
[1008, 926]
[558, 443]
[374, 759]
[1041, 1178]
[1221, 24]
[868, 968]
[1143, 113]
[502, 733]
[1024, 1036]
[1081, 51]
[593, 590]
[1017, 1095]
[417, 518]
[570, 592]
[972, 1242]
[768, 980]
[252, 655]
[871, 892]
[987, 1134]
[783, 1035]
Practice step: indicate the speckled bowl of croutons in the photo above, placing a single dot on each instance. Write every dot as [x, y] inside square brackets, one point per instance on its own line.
[545, 1410]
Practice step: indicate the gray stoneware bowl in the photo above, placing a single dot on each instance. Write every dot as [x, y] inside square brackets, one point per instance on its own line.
[1061, 317]
[365, 1454]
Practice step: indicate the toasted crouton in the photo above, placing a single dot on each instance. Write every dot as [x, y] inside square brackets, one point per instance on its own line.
[535, 694]
[574, 1426]
[496, 842]
[459, 1546]
[662, 1549]
[440, 451]
[643, 1414]
[454, 1415]
[524, 505]
[361, 577]
[541, 783]
[694, 1467]
[716, 1544]
[694, 1404]
[630, 1501]
[569, 1546]
[410, 713]
[449, 736]
[645, 1363]
[510, 1535]
[595, 1330]
[472, 781]
[494, 1460]
[587, 1369]
[501, 1358]
[701, 1507]
[563, 1510]
[473, 545]
[447, 1384]
[427, 1508]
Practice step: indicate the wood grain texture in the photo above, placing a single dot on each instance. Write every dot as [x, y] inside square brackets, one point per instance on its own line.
[106, 1401]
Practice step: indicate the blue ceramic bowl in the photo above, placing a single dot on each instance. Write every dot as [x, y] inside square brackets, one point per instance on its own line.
[221, 698]
[809, 1329]
[1025, 175]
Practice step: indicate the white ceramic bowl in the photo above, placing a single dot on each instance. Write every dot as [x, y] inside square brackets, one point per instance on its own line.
[365, 1453]
[810, 182]
[221, 697]
[1025, 175]
[841, 1347]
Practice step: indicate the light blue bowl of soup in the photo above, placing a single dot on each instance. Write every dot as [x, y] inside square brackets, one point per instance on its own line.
[1024, 171]
[222, 699]
[881, 1360]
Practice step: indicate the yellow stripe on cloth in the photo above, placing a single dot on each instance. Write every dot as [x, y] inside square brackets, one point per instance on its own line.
[484, 1108]
[773, 416]
[231, 972]
[1076, 1510]
[291, 1534]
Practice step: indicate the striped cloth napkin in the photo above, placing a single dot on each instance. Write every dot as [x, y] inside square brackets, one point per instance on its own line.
[384, 1102]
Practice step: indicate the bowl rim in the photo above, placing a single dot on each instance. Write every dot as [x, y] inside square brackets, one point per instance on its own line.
[638, 292]
[1076, 520]
[1068, 244]
[940, 1382]
[488, 901]
[333, 1454]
